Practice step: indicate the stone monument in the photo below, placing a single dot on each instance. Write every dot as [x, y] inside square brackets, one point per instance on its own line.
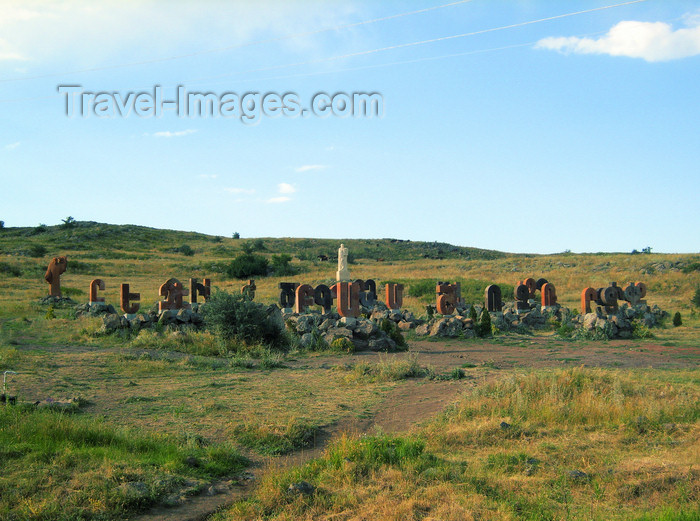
[56, 268]
[343, 274]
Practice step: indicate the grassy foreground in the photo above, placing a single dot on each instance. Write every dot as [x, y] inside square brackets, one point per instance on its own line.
[574, 444]
[58, 466]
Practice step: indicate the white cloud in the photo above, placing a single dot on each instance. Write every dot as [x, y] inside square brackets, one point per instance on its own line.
[113, 31]
[651, 41]
[286, 188]
[12, 146]
[274, 200]
[179, 133]
[240, 190]
[309, 168]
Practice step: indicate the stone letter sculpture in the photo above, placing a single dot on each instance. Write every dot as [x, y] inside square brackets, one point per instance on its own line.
[304, 298]
[494, 300]
[348, 298]
[287, 294]
[57, 266]
[447, 297]
[634, 293]
[202, 289]
[126, 298]
[343, 274]
[394, 296]
[588, 295]
[323, 297]
[549, 294]
[94, 286]
[173, 291]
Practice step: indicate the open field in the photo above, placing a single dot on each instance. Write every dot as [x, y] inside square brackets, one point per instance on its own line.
[595, 430]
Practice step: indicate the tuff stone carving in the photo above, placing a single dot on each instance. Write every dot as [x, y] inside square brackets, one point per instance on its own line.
[173, 291]
[394, 296]
[56, 268]
[304, 298]
[492, 297]
[128, 301]
[447, 296]
[287, 294]
[202, 289]
[95, 285]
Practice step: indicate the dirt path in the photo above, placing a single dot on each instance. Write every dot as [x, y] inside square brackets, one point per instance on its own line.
[404, 407]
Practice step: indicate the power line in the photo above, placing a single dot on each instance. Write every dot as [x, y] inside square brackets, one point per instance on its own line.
[240, 46]
[421, 42]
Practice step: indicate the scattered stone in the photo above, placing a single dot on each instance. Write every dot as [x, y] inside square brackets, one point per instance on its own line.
[578, 475]
[303, 487]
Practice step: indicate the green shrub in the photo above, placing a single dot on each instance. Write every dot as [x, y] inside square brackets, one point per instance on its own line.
[238, 319]
[693, 266]
[343, 344]
[473, 316]
[677, 320]
[186, 250]
[391, 329]
[484, 328]
[36, 250]
[10, 269]
[696, 298]
[69, 222]
[247, 265]
[280, 265]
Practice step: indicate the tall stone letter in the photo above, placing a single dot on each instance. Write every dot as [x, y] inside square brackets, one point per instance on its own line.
[200, 288]
[57, 266]
[493, 298]
[549, 294]
[394, 296]
[588, 295]
[304, 298]
[126, 298]
[348, 300]
[173, 291]
[94, 286]
[324, 298]
[287, 294]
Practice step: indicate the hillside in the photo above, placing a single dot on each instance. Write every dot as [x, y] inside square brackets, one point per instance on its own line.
[105, 241]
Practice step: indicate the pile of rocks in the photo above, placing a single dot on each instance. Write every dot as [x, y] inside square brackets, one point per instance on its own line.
[622, 323]
[365, 332]
[113, 321]
[50, 300]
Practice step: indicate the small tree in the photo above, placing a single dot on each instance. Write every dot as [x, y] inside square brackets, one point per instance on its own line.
[696, 298]
[236, 235]
[280, 265]
[677, 320]
[472, 314]
[485, 323]
[68, 222]
[2, 224]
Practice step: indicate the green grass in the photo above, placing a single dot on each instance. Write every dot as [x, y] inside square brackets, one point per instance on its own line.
[62, 467]
[577, 444]
[275, 440]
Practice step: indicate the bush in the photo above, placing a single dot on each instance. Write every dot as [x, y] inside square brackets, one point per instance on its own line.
[280, 265]
[677, 320]
[696, 298]
[238, 319]
[36, 250]
[247, 265]
[186, 250]
[391, 329]
[484, 328]
[2, 225]
[236, 235]
[10, 269]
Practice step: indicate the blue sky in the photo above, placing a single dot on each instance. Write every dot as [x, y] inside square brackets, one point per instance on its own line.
[575, 132]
